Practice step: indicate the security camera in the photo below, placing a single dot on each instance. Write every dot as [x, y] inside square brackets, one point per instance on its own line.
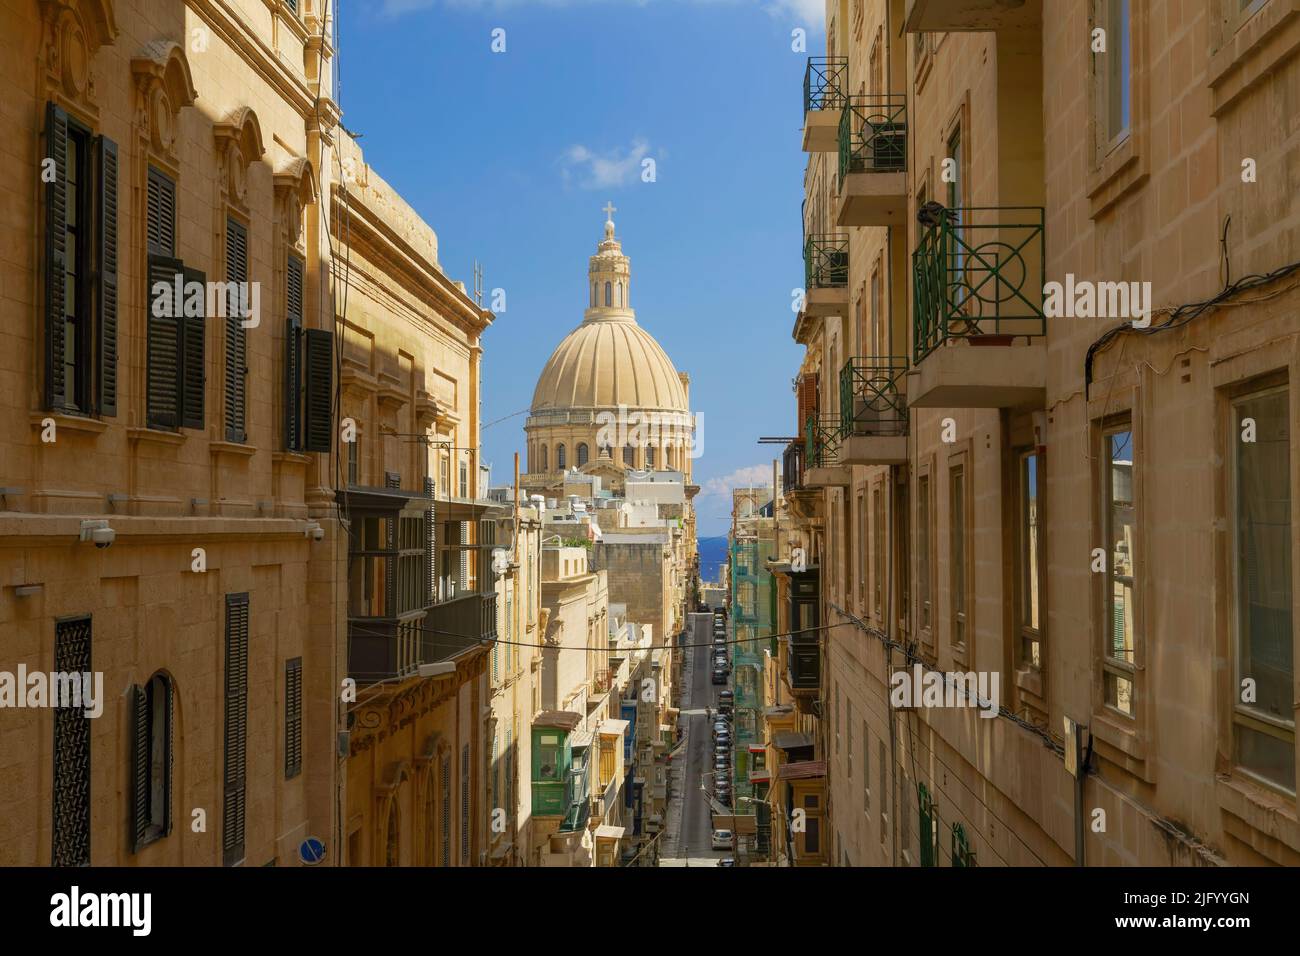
[103, 537]
[314, 531]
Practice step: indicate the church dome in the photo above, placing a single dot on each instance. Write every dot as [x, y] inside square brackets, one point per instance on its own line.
[604, 364]
[609, 360]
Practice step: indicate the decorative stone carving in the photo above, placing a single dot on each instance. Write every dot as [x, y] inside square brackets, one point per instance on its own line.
[164, 84]
[74, 30]
[239, 143]
[295, 189]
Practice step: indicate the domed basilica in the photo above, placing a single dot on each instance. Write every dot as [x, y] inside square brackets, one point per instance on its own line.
[609, 400]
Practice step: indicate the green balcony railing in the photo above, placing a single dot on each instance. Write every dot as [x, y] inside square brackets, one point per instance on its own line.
[873, 134]
[979, 274]
[824, 82]
[871, 396]
[822, 441]
[826, 262]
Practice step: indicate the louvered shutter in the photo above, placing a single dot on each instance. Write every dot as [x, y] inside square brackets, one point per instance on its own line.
[318, 368]
[56, 225]
[293, 355]
[193, 371]
[293, 717]
[445, 798]
[167, 771]
[236, 729]
[162, 397]
[139, 825]
[106, 297]
[430, 543]
[160, 228]
[236, 340]
[464, 805]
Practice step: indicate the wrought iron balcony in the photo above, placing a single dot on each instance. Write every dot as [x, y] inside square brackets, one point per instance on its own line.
[979, 276]
[826, 262]
[873, 161]
[792, 466]
[824, 82]
[872, 401]
[873, 134]
[822, 441]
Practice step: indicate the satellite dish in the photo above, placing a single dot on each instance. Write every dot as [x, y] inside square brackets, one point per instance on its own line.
[311, 851]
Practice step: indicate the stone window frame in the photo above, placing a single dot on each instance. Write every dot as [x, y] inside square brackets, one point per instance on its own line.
[1246, 46]
[1115, 169]
[926, 629]
[961, 455]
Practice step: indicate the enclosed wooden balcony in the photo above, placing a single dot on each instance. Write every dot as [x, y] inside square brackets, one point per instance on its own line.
[978, 321]
[824, 83]
[873, 161]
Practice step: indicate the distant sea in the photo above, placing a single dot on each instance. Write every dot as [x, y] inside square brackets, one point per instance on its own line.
[713, 554]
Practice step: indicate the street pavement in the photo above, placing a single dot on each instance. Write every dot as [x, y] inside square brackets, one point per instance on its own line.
[690, 822]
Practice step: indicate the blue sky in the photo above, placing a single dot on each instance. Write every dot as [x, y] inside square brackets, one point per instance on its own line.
[510, 157]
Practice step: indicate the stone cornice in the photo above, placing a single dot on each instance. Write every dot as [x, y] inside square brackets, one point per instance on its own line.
[260, 57]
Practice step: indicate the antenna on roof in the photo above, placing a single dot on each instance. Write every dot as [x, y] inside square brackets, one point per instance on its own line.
[478, 283]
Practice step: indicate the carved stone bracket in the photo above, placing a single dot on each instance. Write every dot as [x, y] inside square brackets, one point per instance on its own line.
[295, 189]
[239, 145]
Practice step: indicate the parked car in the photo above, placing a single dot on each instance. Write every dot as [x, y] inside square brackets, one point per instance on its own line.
[719, 676]
[727, 695]
[720, 726]
[722, 839]
[727, 861]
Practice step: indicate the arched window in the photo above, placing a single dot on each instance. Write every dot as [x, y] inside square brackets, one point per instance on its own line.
[609, 295]
[649, 456]
[582, 454]
[559, 457]
[629, 455]
[545, 466]
[390, 847]
[151, 761]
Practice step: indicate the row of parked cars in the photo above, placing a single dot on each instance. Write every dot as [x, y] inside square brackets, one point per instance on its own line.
[721, 659]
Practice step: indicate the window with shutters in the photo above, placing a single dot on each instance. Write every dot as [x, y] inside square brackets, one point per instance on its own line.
[236, 358]
[80, 254]
[71, 781]
[293, 339]
[235, 737]
[292, 717]
[464, 806]
[1119, 533]
[444, 798]
[318, 390]
[151, 761]
[175, 324]
[561, 459]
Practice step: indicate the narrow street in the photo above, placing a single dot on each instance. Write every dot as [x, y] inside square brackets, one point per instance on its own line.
[690, 820]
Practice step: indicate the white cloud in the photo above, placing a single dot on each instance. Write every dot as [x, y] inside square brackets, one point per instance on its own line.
[616, 167]
[808, 12]
[756, 476]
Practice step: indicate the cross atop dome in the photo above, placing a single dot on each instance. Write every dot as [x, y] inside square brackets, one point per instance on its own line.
[609, 211]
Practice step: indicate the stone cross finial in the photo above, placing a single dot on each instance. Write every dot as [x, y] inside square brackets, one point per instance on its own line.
[609, 211]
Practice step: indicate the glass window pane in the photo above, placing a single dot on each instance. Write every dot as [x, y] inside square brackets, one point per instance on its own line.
[1262, 531]
[1121, 533]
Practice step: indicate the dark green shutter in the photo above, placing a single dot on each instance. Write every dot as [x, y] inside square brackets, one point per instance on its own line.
[160, 227]
[193, 372]
[292, 717]
[236, 729]
[106, 299]
[167, 771]
[56, 225]
[318, 368]
[162, 398]
[139, 767]
[430, 544]
[236, 340]
[293, 355]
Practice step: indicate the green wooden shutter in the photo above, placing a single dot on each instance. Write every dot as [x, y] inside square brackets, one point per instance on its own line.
[293, 717]
[293, 355]
[236, 729]
[318, 368]
[163, 325]
[167, 771]
[139, 702]
[160, 228]
[56, 224]
[106, 297]
[464, 806]
[193, 371]
[236, 336]
[430, 544]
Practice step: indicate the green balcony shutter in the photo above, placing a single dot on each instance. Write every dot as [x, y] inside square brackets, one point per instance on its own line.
[106, 299]
[171, 740]
[163, 325]
[293, 717]
[236, 336]
[236, 729]
[430, 544]
[56, 224]
[293, 355]
[193, 371]
[318, 369]
[139, 702]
